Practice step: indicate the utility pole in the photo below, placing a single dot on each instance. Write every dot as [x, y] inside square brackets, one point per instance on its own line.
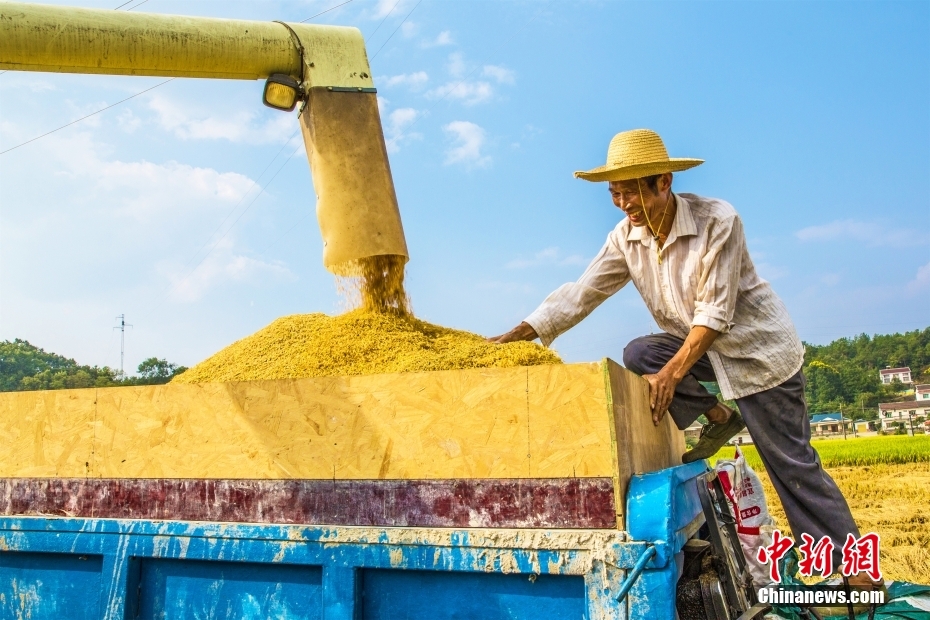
[122, 341]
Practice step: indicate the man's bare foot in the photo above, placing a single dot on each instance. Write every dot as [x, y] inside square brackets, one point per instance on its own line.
[862, 580]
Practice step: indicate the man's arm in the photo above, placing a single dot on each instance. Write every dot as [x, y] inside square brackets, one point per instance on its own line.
[662, 384]
[570, 303]
[523, 331]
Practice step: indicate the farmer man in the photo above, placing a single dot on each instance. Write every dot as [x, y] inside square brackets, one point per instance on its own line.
[721, 322]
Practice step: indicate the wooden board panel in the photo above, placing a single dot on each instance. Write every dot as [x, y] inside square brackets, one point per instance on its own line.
[487, 423]
[571, 421]
[641, 446]
[47, 433]
[512, 503]
[568, 416]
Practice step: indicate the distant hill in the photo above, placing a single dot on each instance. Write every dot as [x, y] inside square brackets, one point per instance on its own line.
[25, 367]
[843, 375]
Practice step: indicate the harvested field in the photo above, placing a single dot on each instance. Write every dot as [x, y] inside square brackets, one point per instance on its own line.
[887, 496]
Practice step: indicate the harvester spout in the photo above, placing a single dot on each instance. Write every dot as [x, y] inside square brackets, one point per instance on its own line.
[356, 202]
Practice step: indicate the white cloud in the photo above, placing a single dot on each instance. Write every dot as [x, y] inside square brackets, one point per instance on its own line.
[221, 266]
[128, 121]
[456, 66]
[241, 126]
[152, 190]
[80, 111]
[409, 29]
[549, 256]
[500, 74]
[771, 272]
[385, 7]
[127, 219]
[413, 80]
[872, 233]
[469, 93]
[767, 270]
[41, 86]
[442, 39]
[468, 139]
[398, 121]
[922, 280]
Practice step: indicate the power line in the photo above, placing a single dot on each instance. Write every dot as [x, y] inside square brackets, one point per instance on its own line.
[396, 29]
[470, 73]
[326, 11]
[284, 234]
[368, 38]
[86, 117]
[133, 8]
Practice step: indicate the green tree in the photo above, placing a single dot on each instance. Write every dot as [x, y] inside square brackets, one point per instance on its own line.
[844, 375]
[153, 371]
[25, 367]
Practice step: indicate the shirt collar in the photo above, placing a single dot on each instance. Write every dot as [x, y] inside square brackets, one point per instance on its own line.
[682, 226]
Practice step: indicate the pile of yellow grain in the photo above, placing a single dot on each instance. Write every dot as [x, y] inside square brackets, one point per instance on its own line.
[360, 342]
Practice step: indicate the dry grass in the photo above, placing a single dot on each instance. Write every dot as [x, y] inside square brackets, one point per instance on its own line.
[890, 499]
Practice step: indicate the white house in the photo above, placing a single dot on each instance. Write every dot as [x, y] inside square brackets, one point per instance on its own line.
[887, 375]
[922, 392]
[832, 423]
[908, 412]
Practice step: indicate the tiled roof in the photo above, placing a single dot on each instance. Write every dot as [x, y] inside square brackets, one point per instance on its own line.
[907, 404]
[888, 371]
[826, 417]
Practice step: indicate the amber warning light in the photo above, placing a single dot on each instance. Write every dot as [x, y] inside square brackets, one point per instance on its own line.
[282, 92]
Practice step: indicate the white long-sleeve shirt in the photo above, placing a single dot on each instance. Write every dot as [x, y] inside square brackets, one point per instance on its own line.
[707, 278]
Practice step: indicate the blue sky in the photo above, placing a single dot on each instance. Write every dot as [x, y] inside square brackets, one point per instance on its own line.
[190, 207]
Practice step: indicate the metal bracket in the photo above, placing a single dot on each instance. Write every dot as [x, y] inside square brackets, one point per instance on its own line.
[636, 571]
[351, 89]
[300, 52]
[721, 526]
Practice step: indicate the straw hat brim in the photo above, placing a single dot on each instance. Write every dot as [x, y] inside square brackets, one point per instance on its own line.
[637, 171]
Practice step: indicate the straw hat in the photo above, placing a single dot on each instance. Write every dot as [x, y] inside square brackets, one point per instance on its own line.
[635, 154]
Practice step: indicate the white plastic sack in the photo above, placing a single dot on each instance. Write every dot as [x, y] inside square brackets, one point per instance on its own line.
[747, 504]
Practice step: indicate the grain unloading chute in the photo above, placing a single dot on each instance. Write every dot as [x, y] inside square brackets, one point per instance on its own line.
[356, 202]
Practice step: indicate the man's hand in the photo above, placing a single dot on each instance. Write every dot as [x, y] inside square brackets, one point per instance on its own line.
[523, 331]
[661, 390]
[662, 384]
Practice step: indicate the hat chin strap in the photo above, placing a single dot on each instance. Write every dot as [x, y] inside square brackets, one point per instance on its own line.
[655, 233]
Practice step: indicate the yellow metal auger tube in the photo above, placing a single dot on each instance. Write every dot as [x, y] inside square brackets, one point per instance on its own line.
[356, 202]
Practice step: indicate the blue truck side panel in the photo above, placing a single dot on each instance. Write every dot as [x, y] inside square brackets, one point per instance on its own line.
[190, 590]
[123, 569]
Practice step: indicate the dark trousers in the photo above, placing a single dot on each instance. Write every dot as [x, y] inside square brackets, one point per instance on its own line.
[778, 424]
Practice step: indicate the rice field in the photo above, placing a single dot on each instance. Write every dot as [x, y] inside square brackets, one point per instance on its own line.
[886, 481]
[887, 450]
